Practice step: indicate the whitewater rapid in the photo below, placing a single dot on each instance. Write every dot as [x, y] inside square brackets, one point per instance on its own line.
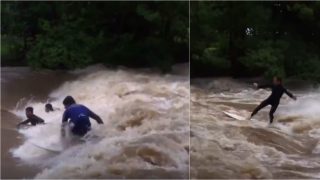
[145, 132]
[222, 147]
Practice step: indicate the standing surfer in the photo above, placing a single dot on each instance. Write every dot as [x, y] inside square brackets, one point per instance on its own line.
[274, 98]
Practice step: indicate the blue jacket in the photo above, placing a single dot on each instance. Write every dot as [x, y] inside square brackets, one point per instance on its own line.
[79, 116]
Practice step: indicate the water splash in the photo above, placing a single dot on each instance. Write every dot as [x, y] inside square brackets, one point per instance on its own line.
[222, 147]
[144, 135]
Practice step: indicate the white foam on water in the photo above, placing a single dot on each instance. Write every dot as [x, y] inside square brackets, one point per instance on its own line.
[145, 127]
[307, 105]
[266, 149]
[305, 113]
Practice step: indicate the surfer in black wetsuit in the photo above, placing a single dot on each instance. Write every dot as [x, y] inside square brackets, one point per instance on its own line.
[32, 118]
[274, 98]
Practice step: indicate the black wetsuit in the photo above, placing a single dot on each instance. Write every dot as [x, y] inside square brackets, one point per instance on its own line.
[33, 119]
[273, 99]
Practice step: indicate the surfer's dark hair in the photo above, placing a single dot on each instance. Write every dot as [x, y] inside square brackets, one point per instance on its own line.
[49, 106]
[68, 101]
[29, 109]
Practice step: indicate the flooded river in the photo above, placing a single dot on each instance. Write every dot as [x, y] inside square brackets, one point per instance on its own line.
[145, 132]
[222, 147]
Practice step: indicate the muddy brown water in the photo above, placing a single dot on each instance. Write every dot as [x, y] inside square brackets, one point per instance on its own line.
[143, 106]
[18, 83]
[224, 148]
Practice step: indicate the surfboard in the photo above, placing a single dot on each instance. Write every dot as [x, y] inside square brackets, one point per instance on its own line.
[52, 148]
[254, 123]
[234, 116]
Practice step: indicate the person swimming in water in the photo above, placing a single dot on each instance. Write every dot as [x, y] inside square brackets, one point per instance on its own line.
[32, 118]
[79, 117]
[274, 99]
[50, 108]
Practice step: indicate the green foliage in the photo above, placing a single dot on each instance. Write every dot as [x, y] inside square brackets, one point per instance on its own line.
[11, 49]
[269, 57]
[76, 34]
[255, 38]
[150, 52]
[148, 14]
[63, 46]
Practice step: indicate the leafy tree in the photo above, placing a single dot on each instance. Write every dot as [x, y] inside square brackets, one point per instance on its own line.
[76, 34]
[255, 38]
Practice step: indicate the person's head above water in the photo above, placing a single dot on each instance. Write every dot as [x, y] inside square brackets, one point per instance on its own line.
[68, 101]
[277, 80]
[29, 111]
[48, 107]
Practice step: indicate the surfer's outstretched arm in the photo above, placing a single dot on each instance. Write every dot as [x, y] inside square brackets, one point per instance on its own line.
[24, 122]
[95, 117]
[38, 119]
[290, 94]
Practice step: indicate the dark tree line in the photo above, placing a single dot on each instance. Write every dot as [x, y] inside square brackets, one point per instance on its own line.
[256, 38]
[72, 34]
[226, 38]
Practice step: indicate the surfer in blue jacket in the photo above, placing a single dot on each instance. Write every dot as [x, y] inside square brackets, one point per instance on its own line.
[79, 117]
[274, 98]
